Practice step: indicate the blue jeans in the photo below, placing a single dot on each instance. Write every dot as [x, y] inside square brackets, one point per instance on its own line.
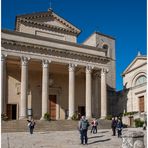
[84, 136]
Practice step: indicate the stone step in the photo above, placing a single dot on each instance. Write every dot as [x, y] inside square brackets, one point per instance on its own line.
[41, 126]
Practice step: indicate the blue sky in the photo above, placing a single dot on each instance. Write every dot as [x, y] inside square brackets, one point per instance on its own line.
[123, 19]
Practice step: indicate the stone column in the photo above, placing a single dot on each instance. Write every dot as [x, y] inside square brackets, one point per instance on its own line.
[88, 92]
[96, 94]
[103, 94]
[3, 84]
[24, 88]
[45, 88]
[71, 90]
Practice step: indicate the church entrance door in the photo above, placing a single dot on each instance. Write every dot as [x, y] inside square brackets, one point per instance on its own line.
[11, 111]
[52, 106]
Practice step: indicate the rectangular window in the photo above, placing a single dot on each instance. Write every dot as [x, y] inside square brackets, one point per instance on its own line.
[141, 104]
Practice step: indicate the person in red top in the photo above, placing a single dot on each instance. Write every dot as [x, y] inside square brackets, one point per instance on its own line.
[94, 125]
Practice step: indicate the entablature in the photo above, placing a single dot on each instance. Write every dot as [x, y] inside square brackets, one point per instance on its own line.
[51, 47]
[47, 50]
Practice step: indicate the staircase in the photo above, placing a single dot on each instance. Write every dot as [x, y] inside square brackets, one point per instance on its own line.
[42, 126]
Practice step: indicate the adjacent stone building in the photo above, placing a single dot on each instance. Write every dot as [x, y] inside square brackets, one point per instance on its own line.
[133, 98]
[45, 70]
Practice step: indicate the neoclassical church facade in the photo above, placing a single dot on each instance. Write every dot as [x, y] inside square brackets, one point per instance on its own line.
[133, 98]
[45, 70]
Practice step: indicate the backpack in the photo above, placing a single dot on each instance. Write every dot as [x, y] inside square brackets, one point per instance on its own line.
[84, 124]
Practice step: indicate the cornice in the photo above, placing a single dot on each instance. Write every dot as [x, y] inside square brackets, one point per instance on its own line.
[132, 63]
[22, 34]
[138, 86]
[47, 50]
[134, 69]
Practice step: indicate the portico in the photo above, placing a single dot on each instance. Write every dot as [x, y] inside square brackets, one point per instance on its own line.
[50, 75]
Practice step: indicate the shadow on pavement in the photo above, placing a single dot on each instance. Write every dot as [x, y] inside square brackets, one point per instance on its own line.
[104, 132]
[99, 141]
[95, 137]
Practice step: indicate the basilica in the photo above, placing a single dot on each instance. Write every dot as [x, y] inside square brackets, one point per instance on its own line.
[44, 69]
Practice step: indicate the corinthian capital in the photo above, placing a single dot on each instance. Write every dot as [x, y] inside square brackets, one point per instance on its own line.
[3, 57]
[72, 67]
[104, 71]
[24, 61]
[45, 63]
[89, 69]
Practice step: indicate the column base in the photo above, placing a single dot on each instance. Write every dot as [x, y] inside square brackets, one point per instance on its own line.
[42, 118]
[23, 118]
[69, 118]
[103, 117]
[88, 117]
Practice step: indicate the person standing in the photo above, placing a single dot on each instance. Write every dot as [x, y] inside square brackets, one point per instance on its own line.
[113, 126]
[119, 128]
[94, 124]
[31, 125]
[83, 127]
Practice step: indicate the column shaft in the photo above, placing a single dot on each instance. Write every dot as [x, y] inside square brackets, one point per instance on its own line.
[103, 94]
[96, 103]
[45, 88]
[24, 88]
[71, 90]
[88, 92]
[3, 84]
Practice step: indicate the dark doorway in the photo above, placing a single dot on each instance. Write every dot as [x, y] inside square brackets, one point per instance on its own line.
[81, 110]
[11, 111]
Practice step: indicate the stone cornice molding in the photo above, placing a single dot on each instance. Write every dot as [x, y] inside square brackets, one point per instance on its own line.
[134, 69]
[57, 59]
[137, 86]
[31, 36]
[46, 50]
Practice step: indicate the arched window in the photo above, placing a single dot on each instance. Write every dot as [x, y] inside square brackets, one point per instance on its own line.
[105, 46]
[140, 80]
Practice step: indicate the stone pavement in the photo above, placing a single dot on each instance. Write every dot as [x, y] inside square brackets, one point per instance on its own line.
[62, 139]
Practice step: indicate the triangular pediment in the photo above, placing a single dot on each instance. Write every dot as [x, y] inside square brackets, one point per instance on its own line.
[49, 19]
[136, 63]
[55, 23]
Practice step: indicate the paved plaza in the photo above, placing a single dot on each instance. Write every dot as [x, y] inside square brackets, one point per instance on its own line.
[62, 139]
